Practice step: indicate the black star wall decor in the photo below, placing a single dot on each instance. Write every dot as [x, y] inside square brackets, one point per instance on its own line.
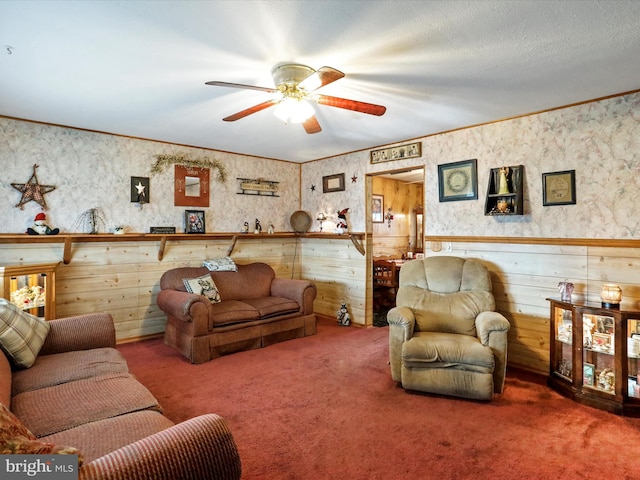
[32, 190]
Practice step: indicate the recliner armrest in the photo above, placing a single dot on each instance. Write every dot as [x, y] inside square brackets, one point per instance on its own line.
[489, 322]
[198, 448]
[401, 321]
[403, 318]
[492, 328]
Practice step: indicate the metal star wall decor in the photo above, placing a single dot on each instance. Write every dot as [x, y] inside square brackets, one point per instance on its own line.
[32, 190]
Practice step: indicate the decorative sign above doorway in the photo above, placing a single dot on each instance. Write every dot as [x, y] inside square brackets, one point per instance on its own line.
[409, 150]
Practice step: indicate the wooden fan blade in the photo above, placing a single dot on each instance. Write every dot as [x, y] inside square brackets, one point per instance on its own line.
[321, 77]
[241, 85]
[311, 125]
[249, 111]
[354, 105]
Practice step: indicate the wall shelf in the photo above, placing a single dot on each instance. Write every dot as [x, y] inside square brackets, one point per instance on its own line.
[69, 239]
[509, 202]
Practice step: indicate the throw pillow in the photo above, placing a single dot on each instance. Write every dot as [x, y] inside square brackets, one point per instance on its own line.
[15, 438]
[224, 264]
[21, 334]
[203, 285]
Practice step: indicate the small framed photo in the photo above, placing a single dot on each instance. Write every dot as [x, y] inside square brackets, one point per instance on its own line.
[605, 325]
[458, 181]
[559, 188]
[333, 183]
[588, 374]
[602, 342]
[377, 209]
[194, 221]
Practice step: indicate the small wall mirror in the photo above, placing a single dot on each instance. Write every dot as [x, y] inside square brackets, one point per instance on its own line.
[191, 186]
[419, 230]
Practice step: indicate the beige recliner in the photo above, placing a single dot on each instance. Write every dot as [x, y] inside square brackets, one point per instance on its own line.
[444, 335]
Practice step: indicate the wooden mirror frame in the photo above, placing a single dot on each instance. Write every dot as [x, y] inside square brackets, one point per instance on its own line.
[180, 197]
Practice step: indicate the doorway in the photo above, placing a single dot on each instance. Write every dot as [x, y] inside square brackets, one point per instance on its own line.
[396, 226]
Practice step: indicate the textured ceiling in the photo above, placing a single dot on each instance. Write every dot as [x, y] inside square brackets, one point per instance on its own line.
[138, 68]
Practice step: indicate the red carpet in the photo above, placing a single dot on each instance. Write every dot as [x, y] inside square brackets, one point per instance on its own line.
[325, 407]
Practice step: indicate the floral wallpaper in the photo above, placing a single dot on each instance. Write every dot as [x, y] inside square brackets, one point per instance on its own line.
[599, 140]
[94, 170]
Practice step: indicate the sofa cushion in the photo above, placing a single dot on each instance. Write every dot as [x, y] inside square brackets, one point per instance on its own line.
[60, 407]
[250, 281]
[203, 285]
[103, 436]
[66, 367]
[272, 306]
[21, 334]
[15, 438]
[231, 311]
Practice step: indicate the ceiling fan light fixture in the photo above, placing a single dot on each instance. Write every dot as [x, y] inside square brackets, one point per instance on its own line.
[292, 110]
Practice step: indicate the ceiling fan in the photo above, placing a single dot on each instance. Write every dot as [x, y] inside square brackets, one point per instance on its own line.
[295, 87]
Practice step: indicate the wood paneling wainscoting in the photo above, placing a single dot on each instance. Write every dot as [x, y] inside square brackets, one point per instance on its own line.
[526, 271]
[120, 274]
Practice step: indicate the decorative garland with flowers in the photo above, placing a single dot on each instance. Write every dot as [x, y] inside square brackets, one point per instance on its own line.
[165, 159]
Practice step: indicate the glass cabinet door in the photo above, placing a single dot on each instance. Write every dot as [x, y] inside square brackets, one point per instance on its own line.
[633, 356]
[30, 287]
[562, 355]
[598, 353]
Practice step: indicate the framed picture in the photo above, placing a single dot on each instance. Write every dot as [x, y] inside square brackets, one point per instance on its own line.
[458, 181]
[140, 190]
[333, 183]
[605, 325]
[377, 209]
[588, 374]
[602, 342]
[410, 150]
[559, 188]
[194, 221]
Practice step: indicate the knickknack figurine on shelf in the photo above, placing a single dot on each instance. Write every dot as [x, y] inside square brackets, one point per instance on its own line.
[343, 315]
[342, 225]
[566, 289]
[258, 228]
[40, 226]
[245, 227]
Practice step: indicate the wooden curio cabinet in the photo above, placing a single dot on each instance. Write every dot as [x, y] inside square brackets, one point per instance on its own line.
[595, 356]
[31, 287]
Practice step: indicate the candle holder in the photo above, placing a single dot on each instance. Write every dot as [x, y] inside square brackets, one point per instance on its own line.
[611, 295]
